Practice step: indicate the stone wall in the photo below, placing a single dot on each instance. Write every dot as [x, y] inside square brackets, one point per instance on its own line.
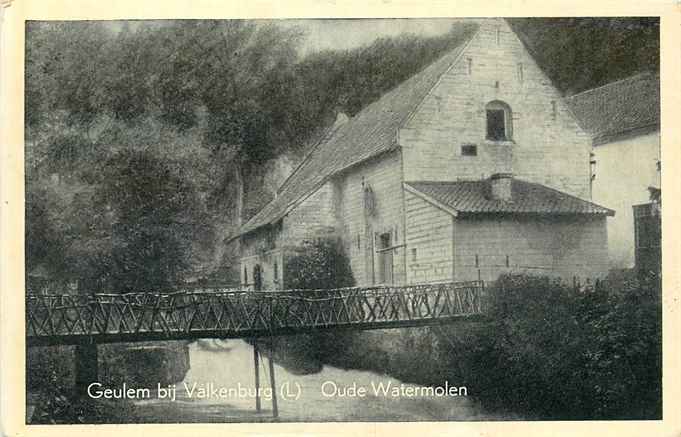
[554, 246]
[384, 176]
[271, 265]
[429, 241]
[315, 217]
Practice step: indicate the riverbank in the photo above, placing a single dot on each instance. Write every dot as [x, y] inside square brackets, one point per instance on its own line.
[50, 380]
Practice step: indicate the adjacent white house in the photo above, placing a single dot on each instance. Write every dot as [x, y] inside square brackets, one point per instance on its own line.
[623, 119]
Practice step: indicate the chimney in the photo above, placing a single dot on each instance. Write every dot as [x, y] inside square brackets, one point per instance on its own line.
[500, 186]
[341, 119]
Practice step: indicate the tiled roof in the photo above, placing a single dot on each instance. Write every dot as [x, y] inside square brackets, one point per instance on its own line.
[619, 108]
[473, 197]
[371, 132]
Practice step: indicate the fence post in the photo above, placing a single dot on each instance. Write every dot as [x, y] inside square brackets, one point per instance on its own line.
[273, 383]
[86, 367]
[256, 361]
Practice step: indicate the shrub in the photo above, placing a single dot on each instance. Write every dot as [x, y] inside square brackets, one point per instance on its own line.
[553, 352]
[319, 265]
[622, 350]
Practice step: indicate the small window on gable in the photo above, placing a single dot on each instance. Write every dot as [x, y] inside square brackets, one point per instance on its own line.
[553, 109]
[520, 71]
[469, 150]
[498, 35]
[499, 120]
[470, 66]
[413, 254]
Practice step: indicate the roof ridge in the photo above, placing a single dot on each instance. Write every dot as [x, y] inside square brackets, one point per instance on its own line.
[331, 132]
[579, 205]
[625, 79]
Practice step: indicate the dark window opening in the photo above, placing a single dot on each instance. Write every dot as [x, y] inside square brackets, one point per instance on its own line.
[276, 271]
[520, 72]
[469, 150]
[553, 109]
[245, 275]
[498, 121]
[496, 124]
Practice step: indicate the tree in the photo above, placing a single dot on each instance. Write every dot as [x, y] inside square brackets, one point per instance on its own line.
[154, 218]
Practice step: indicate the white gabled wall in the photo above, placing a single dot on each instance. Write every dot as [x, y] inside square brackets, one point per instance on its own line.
[553, 152]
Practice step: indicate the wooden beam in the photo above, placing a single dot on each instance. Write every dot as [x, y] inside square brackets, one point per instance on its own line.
[256, 361]
[273, 384]
[86, 367]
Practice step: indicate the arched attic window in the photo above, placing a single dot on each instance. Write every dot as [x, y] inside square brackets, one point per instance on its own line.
[499, 121]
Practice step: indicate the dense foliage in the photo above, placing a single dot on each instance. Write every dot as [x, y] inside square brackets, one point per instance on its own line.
[553, 352]
[321, 264]
[583, 53]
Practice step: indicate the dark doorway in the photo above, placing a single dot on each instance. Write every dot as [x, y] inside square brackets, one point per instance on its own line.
[257, 277]
[385, 259]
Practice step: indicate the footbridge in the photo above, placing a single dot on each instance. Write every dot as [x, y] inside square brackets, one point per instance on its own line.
[216, 313]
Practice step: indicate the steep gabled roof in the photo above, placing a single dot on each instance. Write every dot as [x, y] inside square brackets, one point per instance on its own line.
[473, 197]
[373, 131]
[620, 108]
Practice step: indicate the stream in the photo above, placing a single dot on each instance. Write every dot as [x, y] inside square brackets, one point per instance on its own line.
[220, 387]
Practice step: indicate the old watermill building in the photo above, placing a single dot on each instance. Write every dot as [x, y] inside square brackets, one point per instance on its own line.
[472, 167]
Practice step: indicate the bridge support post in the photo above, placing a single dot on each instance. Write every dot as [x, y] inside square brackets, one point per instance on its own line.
[85, 367]
[256, 361]
[273, 384]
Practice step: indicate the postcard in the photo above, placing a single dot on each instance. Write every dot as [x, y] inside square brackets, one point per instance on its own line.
[411, 219]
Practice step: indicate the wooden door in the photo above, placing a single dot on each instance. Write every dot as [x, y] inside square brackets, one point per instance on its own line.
[385, 259]
[257, 278]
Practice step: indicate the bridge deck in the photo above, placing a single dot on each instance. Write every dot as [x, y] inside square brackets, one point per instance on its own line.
[105, 318]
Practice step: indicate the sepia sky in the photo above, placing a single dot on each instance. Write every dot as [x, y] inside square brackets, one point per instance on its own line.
[325, 34]
[341, 34]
